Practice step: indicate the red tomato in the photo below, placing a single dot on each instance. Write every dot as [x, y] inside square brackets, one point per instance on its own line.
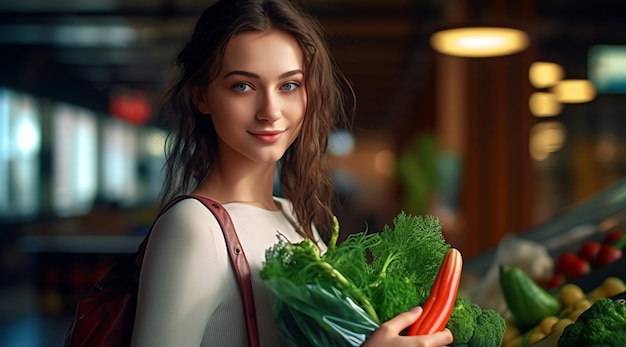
[563, 262]
[607, 254]
[555, 282]
[612, 236]
[589, 251]
[577, 268]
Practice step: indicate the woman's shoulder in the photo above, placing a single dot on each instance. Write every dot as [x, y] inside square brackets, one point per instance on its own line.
[186, 214]
[186, 230]
[186, 206]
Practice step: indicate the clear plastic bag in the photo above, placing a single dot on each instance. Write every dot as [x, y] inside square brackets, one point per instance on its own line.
[314, 316]
[530, 256]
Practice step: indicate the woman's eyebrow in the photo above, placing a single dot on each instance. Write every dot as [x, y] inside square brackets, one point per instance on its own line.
[253, 75]
[291, 73]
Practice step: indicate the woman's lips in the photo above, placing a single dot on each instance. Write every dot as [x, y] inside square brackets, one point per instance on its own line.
[268, 137]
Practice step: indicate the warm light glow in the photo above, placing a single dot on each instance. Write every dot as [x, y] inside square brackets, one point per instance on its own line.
[574, 91]
[544, 104]
[544, 74]
[384, 162]
[606, 150]
[545, 138]
[479, 42]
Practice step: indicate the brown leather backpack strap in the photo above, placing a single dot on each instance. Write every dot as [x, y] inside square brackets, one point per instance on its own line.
[240, 263]
[237, 257]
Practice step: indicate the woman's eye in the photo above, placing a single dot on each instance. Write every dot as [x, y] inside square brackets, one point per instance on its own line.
[241, 87]
[290, 86]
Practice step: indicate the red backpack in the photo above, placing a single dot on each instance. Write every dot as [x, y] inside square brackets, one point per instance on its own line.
[106, 313]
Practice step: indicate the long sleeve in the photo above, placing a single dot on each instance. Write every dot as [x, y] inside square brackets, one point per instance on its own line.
[183, 279]
[188, 290]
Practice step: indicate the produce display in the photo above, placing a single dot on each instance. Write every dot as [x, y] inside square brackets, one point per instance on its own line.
[591, 255]
[551, 324]
[602, 324]
[548, 283]
[340, 297]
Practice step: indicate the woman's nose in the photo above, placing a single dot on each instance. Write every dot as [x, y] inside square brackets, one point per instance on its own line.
[269, 108]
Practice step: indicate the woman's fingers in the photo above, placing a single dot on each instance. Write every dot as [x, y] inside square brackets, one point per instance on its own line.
[442, 338]
[402, 321]
[388, 334]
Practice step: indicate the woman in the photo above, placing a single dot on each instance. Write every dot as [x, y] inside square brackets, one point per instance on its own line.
[256, 86]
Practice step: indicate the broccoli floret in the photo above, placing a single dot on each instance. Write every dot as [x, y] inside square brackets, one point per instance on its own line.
[477, 309]
[489, 330]
[570, 336]
[602, 325]
[462, 321]
[471, 326]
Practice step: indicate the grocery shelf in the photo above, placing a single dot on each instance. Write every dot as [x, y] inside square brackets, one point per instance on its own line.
[568, 229]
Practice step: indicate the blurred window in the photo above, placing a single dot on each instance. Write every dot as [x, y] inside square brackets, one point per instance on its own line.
[20, 147]
[74, 156]
[119, 162]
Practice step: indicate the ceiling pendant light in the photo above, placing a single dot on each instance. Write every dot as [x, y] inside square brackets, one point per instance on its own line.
[574, 91]
[544, 104]
[479, 41]
[545, 74]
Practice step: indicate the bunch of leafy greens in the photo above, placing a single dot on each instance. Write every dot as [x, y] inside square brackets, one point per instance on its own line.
[340, 297]
[385, 273]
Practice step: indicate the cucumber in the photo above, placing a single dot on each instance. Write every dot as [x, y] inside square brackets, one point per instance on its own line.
[528, 302]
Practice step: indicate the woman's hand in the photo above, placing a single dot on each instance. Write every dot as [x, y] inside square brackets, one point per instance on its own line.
[388, 334]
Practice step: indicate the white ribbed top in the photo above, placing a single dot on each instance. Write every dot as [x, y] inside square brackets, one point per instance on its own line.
[188, 293]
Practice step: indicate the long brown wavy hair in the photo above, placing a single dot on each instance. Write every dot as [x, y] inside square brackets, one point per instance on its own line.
[191, 146]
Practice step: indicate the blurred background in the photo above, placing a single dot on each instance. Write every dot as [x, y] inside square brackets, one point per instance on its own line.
[527, 141]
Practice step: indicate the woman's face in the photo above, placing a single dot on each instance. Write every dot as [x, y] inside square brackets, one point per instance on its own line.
[258, 101]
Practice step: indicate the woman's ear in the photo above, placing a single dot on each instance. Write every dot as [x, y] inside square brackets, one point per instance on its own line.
[199, 100]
